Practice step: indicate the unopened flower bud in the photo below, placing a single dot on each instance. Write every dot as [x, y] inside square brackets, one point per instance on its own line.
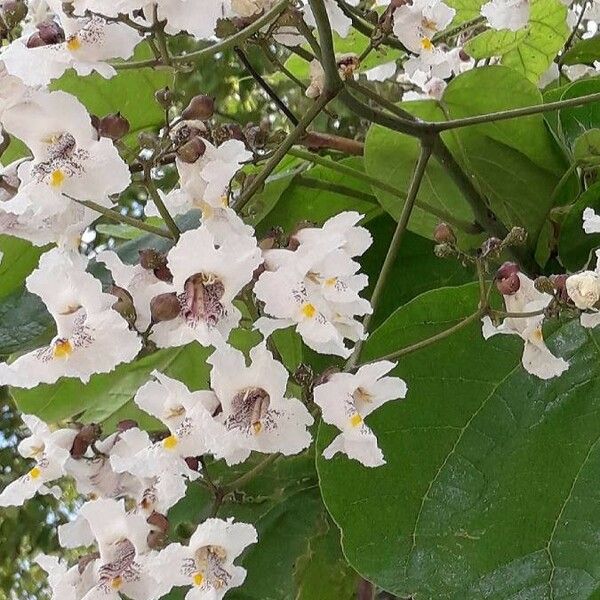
[84, 561]
[14, 11]
[164, 97]
[560, 287]
[148, 141]
[584, 289]
[158, 521]
[87, 435]
[517, 236]
[156, 540]
[150, 259]
[490, 246]
[507, 279]
[164, 307]
[124, 304]
[193, 463]
[51, 32]
[443, 250]
[200, 108]
[544, 284]
[35, 41]
[191, 151]
[113, 126]
[443, 234]
[126, 425]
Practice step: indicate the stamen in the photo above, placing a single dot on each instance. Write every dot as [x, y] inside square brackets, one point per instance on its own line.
[198, 578]
[250, 407]
[426, 44]
[73, 43]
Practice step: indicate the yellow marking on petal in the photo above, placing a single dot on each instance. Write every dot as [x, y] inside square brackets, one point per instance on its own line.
[309, 310]
[426, 44]
[74, 43]
[62, 349]
[116, 583]
[537, 335]
[198, 579]
[331, 281]
[170, 442]
[35, 473]
[356, 420]
[224, 201]
[257, 427]
[57, 178]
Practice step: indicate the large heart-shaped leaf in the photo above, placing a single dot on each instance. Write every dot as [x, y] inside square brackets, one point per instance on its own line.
[490, 485]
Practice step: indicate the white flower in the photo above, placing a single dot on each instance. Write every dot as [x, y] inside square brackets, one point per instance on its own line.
[255, 414]
[12, 90]
[415, 24]
[584, 289]
[537, 358]
[199, 20]
[141, 284]
[506, 14]
[89, 43]
[206, 563]
[346, 399]
[207, 279]
[315, 288]
[204, 184]
[185, 414]
[91, 337]
[68, 159]
[66, 583]
[50, 450]
[249, 8]
[123, 564]
[591, 221]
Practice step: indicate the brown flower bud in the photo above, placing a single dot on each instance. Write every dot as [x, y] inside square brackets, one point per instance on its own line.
[560, 286]
[200, 108]
[113, 126]
[158, 521]
[87, 435]
[150, 259]
[35, 41]
[51, 32]
[13, 12]
[443, 234]
[124, 304]
[490, 246]
[85, 560]
[126, 425]
[164, 97]
[193, 463]
[191, 151]
[156, 540]
[544, 284]
[164, 307]
[507, 279]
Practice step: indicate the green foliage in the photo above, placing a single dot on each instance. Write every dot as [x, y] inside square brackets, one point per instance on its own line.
[532, 49]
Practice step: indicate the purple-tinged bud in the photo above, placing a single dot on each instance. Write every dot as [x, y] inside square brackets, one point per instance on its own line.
[200, 108]
[156, 540]
[443, 234]
[507, 279]
[35, 41]
[544, 284]
[164, 97]
[126, 425]
[87, 435]
[124, 304]
[191, 151]
[150, 259]
[164, 307]
[113, 126]
[51, 32]
[560, 286]
[193, 463]
[158, 521]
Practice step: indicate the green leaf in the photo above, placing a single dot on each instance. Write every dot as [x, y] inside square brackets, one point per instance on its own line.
[586, 149]
[575, 247]
[583, 52]
[466, 10]
[25, 323]
[532, 49]
[19, 259]
[576, 120]
[490, 485]
[516, 163]
[130, 92]
[391, 158]
[302, 203]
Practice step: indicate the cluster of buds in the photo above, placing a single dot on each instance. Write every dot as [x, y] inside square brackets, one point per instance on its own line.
[12, 12]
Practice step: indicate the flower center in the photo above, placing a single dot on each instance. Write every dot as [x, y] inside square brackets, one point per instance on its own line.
[202, 299]
[209, 562]
[308, 310]
[426, 44]
[57, 178]
[73, 43]
[198, 579]
[62, 348]
[35, 473]
[356, 420]
[249, 408]
[169, 443]
[116, 583]
[123, 568]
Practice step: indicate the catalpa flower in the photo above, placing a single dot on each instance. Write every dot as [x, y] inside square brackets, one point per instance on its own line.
[67, 583]
[207, 562]
[506, 14]
[203, 184]
[537, 358]
[207, 277]
[584, 290]
[123, 564]
[68, 158]
[50, 451]
[91, 337]
[346, 399]
[184, 413]
[88, 43]
[255, 414]
[415, 24]
[315, 289]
